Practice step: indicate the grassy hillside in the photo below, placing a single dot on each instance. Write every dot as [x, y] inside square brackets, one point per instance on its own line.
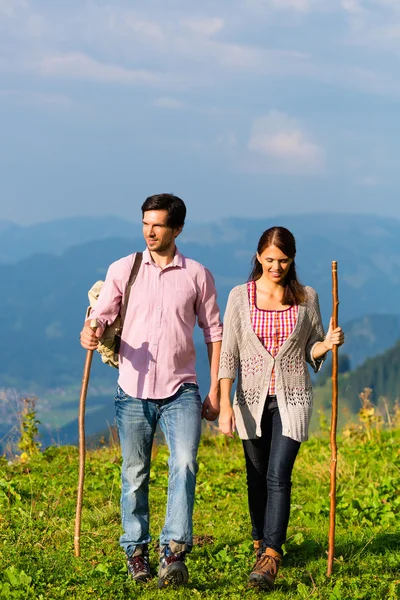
[380, 373]
[37, 507]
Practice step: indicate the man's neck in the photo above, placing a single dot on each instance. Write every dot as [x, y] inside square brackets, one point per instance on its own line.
[163, 259]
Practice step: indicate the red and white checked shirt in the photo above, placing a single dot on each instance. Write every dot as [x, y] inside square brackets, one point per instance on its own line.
[272, 327]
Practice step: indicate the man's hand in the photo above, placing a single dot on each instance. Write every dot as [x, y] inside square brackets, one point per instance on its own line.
[210, 410]
[89, 337]
[226, 421]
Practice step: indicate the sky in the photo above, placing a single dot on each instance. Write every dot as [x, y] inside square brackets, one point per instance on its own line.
[240, 107]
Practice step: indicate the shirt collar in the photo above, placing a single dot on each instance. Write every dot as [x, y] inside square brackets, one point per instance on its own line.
[177, 260]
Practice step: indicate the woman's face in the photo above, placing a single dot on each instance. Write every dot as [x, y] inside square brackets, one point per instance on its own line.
[275, 264]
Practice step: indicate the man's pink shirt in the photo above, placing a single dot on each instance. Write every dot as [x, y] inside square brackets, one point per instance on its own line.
[157, 352]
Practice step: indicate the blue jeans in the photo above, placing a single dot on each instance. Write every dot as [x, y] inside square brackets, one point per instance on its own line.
[180, 421]
[269, 464]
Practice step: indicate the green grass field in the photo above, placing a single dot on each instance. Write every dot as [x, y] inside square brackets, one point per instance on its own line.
[37, 510]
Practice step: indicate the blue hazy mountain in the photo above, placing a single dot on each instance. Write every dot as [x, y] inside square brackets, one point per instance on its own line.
[47, 269]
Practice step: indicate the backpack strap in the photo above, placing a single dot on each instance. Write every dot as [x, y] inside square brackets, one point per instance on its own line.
[132, 277]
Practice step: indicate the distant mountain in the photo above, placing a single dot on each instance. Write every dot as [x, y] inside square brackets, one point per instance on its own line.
[44, 296]
[54, 237]
[370, 335]
[380, 373]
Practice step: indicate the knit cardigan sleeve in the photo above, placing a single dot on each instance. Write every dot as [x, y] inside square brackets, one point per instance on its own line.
[317, 332]
[229, 360]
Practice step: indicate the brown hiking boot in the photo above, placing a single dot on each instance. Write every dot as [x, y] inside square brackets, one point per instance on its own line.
[266, 568]
[257, 546]
[138, 563]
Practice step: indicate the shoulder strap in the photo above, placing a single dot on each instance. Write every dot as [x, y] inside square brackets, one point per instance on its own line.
[135, 270]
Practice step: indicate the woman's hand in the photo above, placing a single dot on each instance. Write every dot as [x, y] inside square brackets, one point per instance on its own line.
[226, 421]
[334, 337]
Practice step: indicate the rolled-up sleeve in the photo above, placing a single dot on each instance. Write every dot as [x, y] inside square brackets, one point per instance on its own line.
[109, 301]
[317, 335]
[229, 351]
[207, 310]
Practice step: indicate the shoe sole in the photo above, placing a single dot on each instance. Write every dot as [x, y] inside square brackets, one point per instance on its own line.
[176, 575]
[260, 581]
[140, 578]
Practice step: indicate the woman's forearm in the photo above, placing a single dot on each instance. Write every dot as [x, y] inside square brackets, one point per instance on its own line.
[225, 391]
[319, 350]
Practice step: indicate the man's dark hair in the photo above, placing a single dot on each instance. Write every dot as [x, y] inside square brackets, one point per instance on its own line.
[172, 204]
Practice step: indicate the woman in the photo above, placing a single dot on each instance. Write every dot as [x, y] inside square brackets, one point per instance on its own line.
[272, 327]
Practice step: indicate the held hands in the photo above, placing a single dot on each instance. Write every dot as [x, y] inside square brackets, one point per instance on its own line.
[210, 410]
[89, 337]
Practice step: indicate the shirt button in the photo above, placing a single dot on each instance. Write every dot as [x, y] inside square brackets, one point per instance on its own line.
[279, 386]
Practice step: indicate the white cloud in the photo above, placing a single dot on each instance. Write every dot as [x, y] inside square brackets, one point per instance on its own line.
[81, 66]
[10, 7]
[285, 145]
[227, 141]
[166, 102]
[204, 26]
[294, 6]
[299, 5]
[367, 181]
[35, 98]
[145, 27]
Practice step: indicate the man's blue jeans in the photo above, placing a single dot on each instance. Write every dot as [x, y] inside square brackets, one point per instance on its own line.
[179, 417]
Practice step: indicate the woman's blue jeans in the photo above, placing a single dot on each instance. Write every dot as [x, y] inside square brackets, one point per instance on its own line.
[269, 465]
[179, 417]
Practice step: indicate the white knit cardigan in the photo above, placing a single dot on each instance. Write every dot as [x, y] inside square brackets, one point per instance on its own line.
[242, 353]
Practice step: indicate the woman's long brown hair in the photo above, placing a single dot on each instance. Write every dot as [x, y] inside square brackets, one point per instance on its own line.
[283, 239]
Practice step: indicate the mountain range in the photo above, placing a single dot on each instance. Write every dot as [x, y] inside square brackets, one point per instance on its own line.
[47, 269]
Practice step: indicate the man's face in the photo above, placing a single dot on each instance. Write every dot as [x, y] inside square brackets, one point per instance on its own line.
[158, 235]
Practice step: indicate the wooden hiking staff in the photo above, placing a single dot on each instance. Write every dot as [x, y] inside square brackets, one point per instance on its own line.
[82, 448]
[332, 492]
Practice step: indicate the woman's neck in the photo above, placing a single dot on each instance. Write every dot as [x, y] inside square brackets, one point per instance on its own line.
[270, 288]
[269, 295]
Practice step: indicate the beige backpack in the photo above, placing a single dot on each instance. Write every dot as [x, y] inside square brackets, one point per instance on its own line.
[110, 341]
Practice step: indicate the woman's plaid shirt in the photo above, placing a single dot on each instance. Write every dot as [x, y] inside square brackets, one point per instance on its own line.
[272, 327]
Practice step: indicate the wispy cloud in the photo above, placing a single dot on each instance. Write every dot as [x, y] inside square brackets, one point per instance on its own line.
[169, 103]
[81, 66]
[33, 98]
[204, 26]
[10, 7]
[285, 145]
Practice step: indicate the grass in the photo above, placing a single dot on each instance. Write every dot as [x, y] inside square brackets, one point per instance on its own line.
[37, 509]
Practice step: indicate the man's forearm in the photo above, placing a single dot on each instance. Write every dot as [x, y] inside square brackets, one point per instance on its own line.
[214, 352]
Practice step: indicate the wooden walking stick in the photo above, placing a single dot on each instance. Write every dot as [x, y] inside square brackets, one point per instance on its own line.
[332, 493]
[82, 449]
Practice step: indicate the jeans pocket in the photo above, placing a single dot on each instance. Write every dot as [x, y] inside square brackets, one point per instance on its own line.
[120, 395]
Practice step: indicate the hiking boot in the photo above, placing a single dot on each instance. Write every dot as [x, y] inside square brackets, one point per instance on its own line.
[258, 544]
[138, 564]
[172, 570]
[266, 568]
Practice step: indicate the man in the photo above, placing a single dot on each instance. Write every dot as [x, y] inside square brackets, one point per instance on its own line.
[157, 381]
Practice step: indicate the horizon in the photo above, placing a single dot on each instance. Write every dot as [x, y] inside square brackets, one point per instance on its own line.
[206, 221]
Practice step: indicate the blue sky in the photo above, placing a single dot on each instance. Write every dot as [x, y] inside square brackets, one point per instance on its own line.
[242, 108]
